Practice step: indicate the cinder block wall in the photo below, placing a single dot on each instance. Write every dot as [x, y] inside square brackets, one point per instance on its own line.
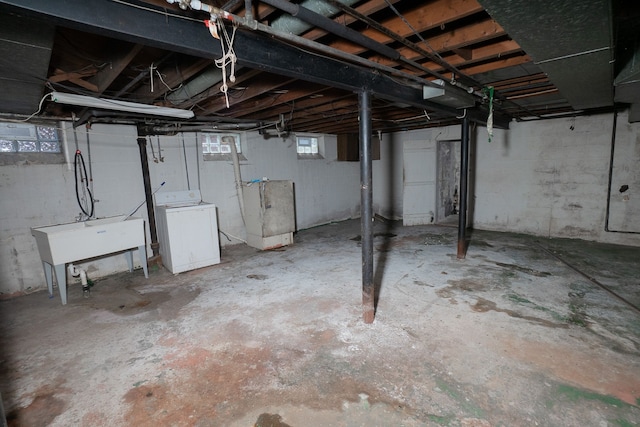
[38, 194]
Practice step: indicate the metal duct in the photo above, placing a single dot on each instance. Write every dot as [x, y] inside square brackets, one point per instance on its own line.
[285, 23]
[198, 84]
[570, 41]
[333, 27]
[22, 48]
[292, 25]
[627, 82]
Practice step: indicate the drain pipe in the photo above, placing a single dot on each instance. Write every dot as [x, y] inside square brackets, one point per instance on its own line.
[144, 160]
[366, 208]
[464, 172]
[75, 272]
[238, 177]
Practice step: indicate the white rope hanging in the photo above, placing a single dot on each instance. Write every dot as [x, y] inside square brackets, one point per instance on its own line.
[228, 54]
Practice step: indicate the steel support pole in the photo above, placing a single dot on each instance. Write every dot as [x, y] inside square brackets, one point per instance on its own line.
[148, 192]
[464, 178]
[366, 207]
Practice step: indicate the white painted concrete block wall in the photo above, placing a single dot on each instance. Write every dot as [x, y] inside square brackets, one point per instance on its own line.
[547, 179]
[37, 195]
[44, 194]
[541, 177]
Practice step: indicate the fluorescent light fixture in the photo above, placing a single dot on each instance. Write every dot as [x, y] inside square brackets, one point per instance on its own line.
[110, 104]
[447, 95]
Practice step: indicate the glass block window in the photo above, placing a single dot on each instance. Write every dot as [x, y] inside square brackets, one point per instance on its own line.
[219, 143]
[307, 144]
[309, 147]
[28, 138]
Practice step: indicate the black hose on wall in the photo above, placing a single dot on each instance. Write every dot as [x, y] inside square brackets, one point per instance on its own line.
[80, 168]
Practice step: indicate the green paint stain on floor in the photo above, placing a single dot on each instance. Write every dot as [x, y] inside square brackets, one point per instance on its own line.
[518, 299]
[622, 423]
[576, 310]
[574, 394]
[465, 403]
[441, 420]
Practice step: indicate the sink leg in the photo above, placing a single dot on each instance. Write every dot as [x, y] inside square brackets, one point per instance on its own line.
[129, 256]
[61, 278]
[48, 275]
[142, 250]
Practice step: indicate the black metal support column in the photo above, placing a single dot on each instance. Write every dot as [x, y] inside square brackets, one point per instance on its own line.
[156, 259]
[366, 207]
[464, 178]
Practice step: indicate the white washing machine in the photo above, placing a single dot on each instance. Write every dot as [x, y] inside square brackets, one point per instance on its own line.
[187, 230]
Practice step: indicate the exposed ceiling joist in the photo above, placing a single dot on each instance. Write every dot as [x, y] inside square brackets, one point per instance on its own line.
[253, 49]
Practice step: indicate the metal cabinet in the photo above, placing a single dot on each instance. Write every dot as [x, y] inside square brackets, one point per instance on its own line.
[269, 214]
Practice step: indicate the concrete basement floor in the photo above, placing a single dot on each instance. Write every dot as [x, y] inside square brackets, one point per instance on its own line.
[511, 336]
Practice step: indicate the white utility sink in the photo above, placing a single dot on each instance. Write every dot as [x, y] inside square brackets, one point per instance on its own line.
[65, 243]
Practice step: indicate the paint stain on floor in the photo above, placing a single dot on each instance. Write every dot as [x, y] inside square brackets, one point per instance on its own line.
[44, 408]
[270, 420]
[482, 306]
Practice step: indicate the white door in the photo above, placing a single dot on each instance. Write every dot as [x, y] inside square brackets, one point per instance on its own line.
[419, 189]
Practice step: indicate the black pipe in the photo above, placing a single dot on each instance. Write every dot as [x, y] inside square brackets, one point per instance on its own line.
[613, 149]
[590, 278]
[333, 27]
[464, 172]
[366, 207]
[148, 192]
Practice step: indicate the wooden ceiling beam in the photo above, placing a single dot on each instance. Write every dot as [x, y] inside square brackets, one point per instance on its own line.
[456, 39]
[518, 81]
[481, 54]
[497, 64]
[173, 76]
[331, 95]
[109, 73]
[77, 78]
[266, 83]
[436, 14]
[282, 101]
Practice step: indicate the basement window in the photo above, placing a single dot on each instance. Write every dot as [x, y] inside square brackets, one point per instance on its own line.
[217, 145]
[29, 138]
[309, 147]
[28, 143]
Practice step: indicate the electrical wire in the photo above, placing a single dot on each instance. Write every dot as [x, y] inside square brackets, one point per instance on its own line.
[38, 111]
[186, 166]
[87, 204]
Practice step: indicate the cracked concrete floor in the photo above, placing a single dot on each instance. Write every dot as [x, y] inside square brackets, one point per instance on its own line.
[510, 336]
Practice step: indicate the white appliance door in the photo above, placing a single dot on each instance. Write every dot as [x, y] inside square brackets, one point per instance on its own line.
[192, 234]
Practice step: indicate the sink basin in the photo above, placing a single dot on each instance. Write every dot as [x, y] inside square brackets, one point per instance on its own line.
[64, 243]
